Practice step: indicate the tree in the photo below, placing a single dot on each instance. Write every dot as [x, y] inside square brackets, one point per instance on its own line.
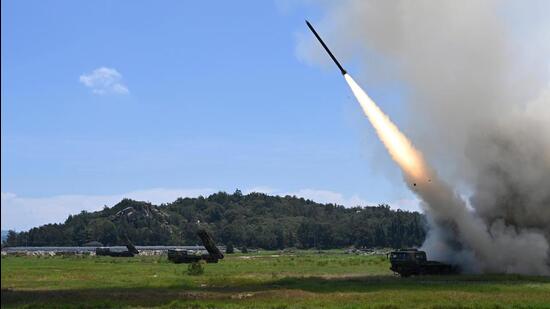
[11, 239]
[251, 220]
[229, 248]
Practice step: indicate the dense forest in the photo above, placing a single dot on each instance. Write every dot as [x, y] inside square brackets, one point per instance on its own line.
[254, 220]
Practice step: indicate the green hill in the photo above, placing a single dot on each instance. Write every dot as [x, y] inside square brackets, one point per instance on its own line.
[252, 220]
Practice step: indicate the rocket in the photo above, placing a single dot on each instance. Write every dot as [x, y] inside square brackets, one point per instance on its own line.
[326, 48]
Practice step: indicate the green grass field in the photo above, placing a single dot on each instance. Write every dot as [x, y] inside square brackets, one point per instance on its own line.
[266, 280]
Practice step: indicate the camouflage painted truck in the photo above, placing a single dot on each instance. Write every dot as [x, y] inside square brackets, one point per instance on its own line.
[130, 252]
[184, 256]
[412, 262]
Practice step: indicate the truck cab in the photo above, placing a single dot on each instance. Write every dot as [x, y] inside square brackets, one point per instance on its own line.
[408, 256]
[408, 262]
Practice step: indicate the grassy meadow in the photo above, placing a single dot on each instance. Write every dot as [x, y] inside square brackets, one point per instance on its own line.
[304, 279]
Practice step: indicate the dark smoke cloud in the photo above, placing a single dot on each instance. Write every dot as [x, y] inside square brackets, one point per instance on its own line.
[478, 108]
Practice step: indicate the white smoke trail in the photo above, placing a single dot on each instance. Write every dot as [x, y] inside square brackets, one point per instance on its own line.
[466, 233]
[478, 102]
[399, 147]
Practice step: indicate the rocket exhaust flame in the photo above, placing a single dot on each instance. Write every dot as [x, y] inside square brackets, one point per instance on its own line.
[397, 144]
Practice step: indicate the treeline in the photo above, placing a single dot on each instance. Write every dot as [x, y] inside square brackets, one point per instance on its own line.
[254, 220]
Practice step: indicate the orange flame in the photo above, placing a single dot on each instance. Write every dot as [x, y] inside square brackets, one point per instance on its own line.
[398, 145]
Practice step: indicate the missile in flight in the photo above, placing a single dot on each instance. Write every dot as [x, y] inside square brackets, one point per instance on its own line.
[326, 48]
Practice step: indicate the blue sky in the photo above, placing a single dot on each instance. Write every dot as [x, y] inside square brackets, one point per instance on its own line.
[188, 97]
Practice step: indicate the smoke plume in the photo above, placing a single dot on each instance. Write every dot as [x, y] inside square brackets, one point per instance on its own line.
[478, 109]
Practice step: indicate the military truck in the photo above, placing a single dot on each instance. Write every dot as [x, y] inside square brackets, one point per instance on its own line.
[132, 250]
[184, 256]
[409, 262]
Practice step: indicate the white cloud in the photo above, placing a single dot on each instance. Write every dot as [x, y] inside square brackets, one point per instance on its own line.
[104, 81]
[327, 196]
[260, 189]
[409, 204]
[22, 213]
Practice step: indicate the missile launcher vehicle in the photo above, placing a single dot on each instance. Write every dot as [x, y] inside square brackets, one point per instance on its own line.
[104, 251]
[179, 256]
[412, 262]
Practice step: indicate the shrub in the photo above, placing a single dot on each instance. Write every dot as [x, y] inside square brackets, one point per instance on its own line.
[229, 248]
[195, 269]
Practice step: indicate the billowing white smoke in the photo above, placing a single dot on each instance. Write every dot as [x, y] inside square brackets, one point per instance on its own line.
[479, 109]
